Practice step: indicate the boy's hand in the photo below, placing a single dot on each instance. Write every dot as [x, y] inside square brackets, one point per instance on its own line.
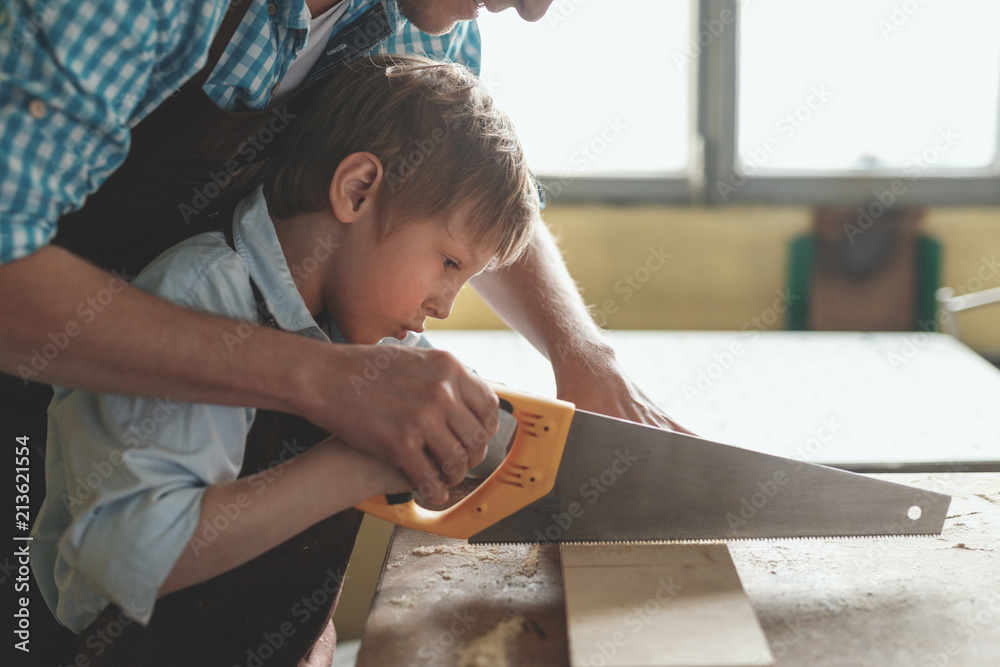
[371, 476]
[417, 409]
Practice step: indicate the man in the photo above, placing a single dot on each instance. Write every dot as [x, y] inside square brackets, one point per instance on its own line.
[72, 98]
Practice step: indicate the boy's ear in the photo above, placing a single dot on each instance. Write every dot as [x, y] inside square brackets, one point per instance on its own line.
[355, 186]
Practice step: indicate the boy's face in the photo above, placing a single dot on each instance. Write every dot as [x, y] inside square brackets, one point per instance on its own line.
[378, 290]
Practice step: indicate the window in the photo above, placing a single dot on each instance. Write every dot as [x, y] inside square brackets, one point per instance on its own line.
[595, 88]
[765, 101]
[861, 85]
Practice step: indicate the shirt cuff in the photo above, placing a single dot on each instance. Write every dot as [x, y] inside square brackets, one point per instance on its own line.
[128, 552]
[20, 240]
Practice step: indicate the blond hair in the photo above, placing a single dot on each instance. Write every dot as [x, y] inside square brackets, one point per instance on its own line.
[441, 141]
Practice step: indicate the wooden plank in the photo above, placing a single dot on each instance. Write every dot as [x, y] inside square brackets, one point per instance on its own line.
[658, 605]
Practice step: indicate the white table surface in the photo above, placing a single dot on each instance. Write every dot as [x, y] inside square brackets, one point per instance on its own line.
[844, 398]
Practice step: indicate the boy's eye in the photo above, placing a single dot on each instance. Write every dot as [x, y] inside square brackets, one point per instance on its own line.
[449, 264]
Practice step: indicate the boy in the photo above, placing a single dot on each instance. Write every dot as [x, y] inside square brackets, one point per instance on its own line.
[359, 232]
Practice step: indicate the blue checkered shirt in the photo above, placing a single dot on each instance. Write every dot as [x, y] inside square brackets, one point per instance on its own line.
[77, 75]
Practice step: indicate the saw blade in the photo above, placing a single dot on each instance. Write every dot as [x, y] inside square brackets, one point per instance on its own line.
[619, 481]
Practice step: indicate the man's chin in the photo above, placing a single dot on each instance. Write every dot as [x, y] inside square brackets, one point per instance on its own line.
[424, 17]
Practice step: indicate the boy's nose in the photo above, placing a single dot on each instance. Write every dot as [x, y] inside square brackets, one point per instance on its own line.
[440, 306]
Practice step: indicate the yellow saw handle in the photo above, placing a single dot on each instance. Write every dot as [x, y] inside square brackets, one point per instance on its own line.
[527, 474]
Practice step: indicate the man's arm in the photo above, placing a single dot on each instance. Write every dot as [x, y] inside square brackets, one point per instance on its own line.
[537, 297]
[115, 339]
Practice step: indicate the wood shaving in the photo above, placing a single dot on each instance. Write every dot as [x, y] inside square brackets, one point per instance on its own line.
[491, 650]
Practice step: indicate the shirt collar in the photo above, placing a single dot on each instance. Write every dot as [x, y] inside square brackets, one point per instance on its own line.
[356, 8]
[257, 243]
[292, 14]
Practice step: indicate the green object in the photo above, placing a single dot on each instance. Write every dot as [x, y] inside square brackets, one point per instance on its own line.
[801, 257]
[800, 264]
[928, 281]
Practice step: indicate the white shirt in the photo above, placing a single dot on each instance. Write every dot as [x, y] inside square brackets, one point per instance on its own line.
[320, 29]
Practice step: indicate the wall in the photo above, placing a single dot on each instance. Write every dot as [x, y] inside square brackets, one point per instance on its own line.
[726, 265]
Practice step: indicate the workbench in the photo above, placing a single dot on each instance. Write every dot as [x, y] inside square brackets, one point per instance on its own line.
[925, 405]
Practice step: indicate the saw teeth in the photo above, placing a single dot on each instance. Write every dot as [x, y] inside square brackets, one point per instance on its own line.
[725, 541]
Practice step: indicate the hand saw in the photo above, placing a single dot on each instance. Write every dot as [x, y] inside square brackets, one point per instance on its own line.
[576, 476]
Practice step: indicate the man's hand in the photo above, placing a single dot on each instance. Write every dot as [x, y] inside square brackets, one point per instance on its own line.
[593, 380]
[415, 408]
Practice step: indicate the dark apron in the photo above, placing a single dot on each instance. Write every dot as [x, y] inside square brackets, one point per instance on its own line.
[190, 163]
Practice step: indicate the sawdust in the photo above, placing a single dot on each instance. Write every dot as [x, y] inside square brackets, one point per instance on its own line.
[403, 601]
[480, 553]
[530, 566]
[521, 565]
[437, 576]
[428, 551]
[491, 650]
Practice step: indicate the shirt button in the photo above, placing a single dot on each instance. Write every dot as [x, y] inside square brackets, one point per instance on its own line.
[272, 9]
[37, 108]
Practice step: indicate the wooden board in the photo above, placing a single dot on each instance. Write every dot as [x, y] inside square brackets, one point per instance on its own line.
[658, 605]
